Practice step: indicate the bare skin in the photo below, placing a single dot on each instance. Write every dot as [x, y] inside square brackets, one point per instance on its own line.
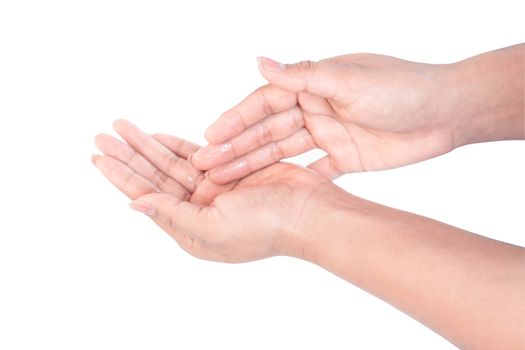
[151, 170]
[368, 112]
[468, 288]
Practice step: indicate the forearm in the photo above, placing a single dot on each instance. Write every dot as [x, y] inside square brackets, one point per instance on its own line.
[468, 288]
[488, 93]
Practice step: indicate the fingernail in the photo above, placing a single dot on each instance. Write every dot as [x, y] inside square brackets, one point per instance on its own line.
[94, 158]
[270, 65]
[142, 207]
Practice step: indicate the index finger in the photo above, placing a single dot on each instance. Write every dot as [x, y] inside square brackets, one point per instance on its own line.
[261, 103]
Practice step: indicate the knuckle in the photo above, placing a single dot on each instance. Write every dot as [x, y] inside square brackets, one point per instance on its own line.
[170, 161]
[158, 178]
[263, 134]
[127, 184]
[276, 152]
[177, 145]
[308, 139]
[306, 66]
[247, 164]
[265, 105]
[297, 118]
[131, 158]
[236, 115]
[198, 179]
[187, 243]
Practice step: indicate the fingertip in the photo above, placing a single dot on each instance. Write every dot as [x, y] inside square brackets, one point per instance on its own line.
[94, 158]
[119, 124]
[272, 75]
[96, 139]
[213, 134]
[100, 142]
[225, 127]
[218, 177]
[269, 65]
[259, 64]
[164, 139]
[194, 159]
[208, 135]
[149, 199]
[190, 157]
[212, 155]
[100, 138]
[209, 175]
[143, 207]
[199, 160]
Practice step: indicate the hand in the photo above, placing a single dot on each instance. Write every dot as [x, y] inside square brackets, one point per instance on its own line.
[368, 112]
[407, 260]
[267, 213]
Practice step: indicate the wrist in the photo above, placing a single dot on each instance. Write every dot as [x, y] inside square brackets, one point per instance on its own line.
[338, 215]
[487, 93]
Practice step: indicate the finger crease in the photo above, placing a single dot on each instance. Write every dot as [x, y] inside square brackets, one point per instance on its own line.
[266, 107]
[276, 152]
[170, 162]
[159, 178]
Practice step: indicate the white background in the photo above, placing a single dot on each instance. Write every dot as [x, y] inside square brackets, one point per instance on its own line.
[79, 270]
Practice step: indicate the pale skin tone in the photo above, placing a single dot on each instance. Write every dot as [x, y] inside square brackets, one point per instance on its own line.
[468, 288]
[367, 112]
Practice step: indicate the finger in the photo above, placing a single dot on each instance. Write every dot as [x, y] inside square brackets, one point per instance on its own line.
[319, 78]
[185, 222]
[125, 179]
[175, 215]
[117, 149]
[273, 128]
[293, 145]
[175, 167]
[180, 147]
[314, 104]
[261, 103]
[337, 140]
[325, 167]
[208, 190]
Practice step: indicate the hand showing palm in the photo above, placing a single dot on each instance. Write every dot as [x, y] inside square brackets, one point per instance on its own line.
[368, 112]
[264, 214]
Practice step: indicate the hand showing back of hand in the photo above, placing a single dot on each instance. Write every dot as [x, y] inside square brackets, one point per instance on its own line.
[367, 112]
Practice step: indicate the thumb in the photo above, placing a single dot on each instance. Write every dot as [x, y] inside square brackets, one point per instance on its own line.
[318, 78]
[171, 213]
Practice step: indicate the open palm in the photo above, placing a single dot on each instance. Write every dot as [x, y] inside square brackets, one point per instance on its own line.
[264, 214]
